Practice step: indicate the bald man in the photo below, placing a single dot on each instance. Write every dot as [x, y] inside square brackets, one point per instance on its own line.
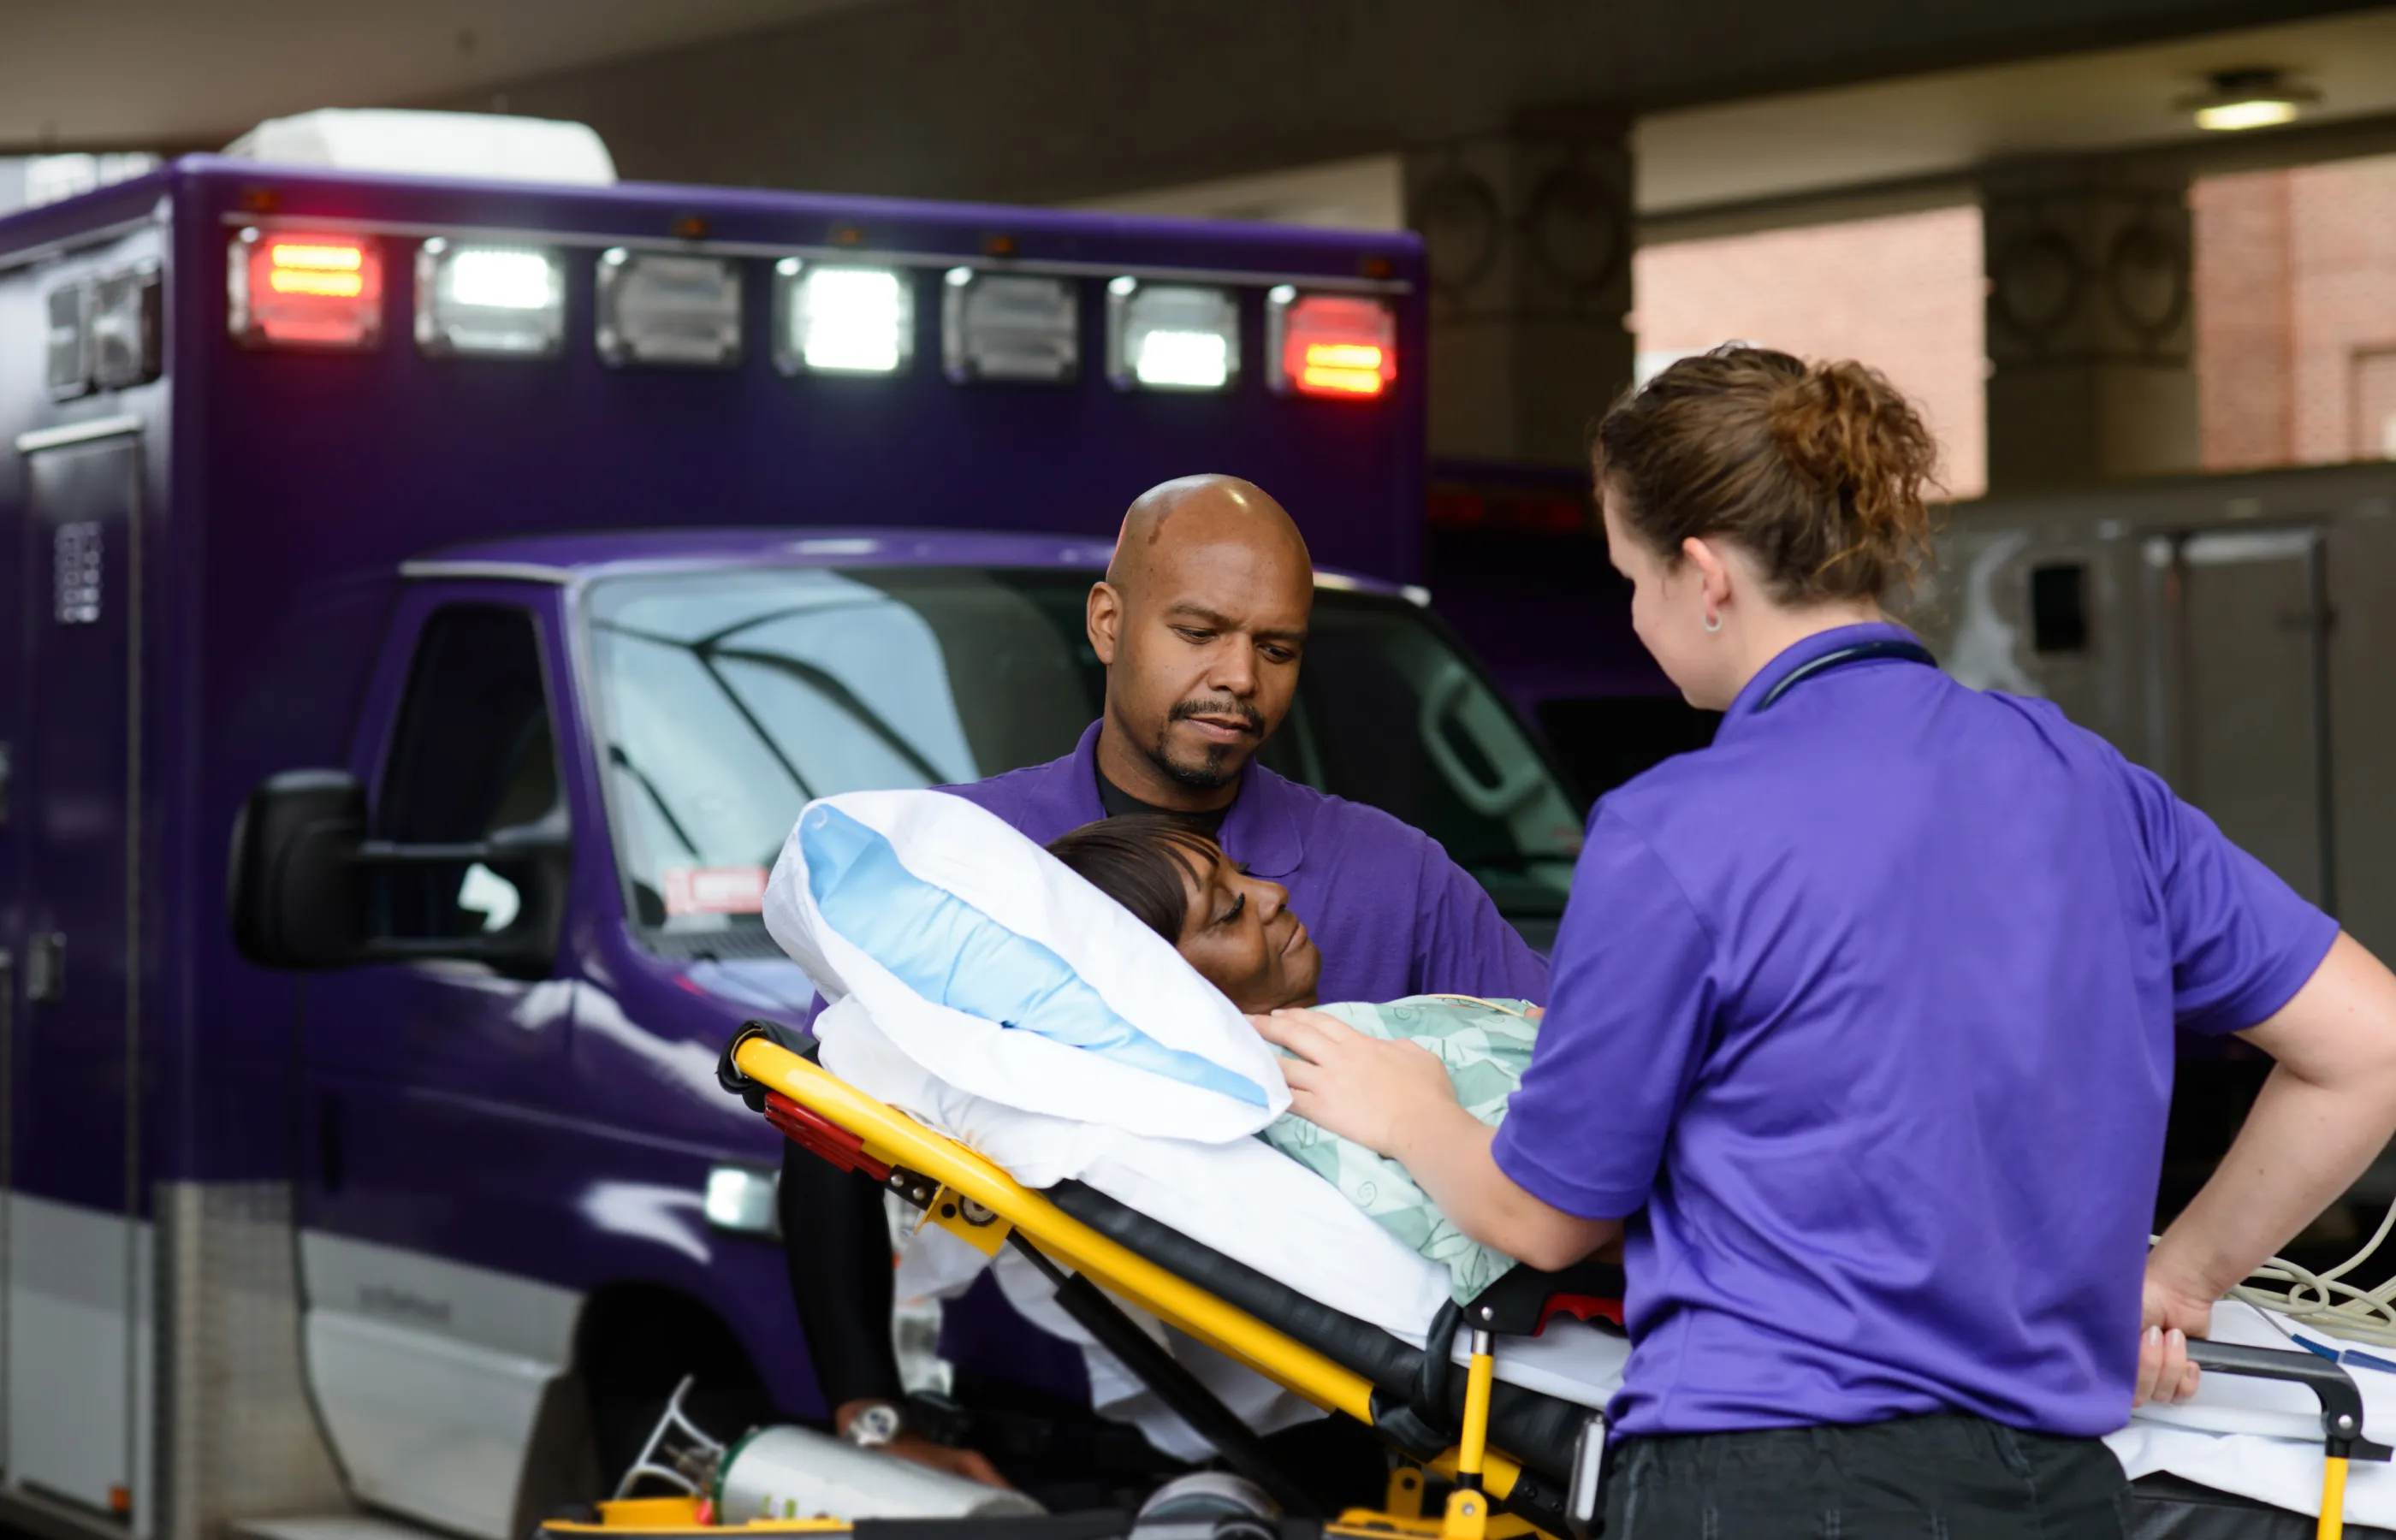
[1202, 625]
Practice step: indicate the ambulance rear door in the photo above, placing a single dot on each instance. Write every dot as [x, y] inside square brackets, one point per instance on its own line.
[76, 1258]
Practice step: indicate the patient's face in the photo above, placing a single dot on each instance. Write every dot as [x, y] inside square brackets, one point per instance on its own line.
[1242, 937]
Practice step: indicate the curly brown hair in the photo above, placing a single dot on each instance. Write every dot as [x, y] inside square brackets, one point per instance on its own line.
[1819, 471]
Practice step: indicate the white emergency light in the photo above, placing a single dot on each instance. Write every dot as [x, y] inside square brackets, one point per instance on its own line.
[657, 307]
[499, 301]
[1171, 337]
[1009, 326]
[841, 318]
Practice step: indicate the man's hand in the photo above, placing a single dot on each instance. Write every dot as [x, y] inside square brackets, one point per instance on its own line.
[1359, 1087]
[968, 1463]
[912, 1445]
[2170, 1314]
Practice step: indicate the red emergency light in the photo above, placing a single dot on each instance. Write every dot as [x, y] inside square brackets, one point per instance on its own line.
[294, 288]
[1336, 344]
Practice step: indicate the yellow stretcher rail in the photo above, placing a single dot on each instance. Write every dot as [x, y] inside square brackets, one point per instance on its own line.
[893, 1138]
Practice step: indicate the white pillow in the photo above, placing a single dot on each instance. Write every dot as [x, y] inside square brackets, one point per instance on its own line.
[1000, 972]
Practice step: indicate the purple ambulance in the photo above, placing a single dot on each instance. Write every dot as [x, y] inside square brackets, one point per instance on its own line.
[510, 562]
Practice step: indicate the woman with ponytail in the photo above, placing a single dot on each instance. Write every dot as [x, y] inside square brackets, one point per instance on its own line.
[1860, 1039]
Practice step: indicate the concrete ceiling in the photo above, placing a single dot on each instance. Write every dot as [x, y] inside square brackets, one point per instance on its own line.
[935, 96]
[179, 74]
[1914, 138]
[1931, 125]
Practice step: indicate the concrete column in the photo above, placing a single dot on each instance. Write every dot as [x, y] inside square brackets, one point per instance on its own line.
[1529, 235]
[2091, 333]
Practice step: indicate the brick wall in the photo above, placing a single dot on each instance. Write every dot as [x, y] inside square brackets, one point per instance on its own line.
[2296, 296]
[2296, 311]
[1901, 293]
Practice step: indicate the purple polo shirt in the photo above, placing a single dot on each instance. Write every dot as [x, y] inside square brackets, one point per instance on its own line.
[1392, 915]
[1865, 1016]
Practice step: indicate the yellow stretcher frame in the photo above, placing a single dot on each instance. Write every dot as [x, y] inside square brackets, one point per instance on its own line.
[972, 1187]
[979, 1202]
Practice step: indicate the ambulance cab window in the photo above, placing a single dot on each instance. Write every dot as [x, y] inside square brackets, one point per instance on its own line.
[474, 754]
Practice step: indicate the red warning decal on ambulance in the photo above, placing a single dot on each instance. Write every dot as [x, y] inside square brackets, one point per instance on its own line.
[715, 890]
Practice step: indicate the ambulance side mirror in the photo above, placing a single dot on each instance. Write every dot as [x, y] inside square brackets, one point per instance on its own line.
[309, 890]
[293, 889]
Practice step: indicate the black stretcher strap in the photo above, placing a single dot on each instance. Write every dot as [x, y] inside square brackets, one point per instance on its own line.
[1175, 1385]
[1536, 1429]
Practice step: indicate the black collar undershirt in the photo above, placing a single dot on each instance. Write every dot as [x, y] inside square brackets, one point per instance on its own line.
[1118, 802]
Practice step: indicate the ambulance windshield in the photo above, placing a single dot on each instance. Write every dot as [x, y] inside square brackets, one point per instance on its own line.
[728, 698]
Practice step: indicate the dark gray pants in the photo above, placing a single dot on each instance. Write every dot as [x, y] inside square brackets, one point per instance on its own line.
[1937, 1477]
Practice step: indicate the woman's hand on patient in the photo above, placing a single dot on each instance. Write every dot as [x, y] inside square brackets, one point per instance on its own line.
[1395, 1098]
[1358, 1086]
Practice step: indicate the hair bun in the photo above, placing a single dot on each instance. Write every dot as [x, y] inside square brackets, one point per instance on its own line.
[1819, 469]
[1853, 436]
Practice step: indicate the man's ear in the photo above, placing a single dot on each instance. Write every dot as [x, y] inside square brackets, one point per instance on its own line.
[1102, 616]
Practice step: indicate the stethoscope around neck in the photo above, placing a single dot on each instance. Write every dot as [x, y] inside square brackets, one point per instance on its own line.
[1839, 658]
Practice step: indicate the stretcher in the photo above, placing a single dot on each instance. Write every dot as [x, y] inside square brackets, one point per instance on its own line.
[1513, 1461]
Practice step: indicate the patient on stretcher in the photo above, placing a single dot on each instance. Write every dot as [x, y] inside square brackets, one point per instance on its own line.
[1238, 933]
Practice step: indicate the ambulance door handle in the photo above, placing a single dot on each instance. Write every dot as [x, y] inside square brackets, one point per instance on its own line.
[45, 969]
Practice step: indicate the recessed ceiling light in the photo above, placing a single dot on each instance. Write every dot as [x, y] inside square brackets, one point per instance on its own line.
[2234, 100]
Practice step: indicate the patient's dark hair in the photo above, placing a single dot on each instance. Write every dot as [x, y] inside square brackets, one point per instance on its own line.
[1142, 861]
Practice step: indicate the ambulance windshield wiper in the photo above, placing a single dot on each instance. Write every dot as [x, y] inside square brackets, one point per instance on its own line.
[718, 645]
[622, 761]
[841, 697]
[698, 653]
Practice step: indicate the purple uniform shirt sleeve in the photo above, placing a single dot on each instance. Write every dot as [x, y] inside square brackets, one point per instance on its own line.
[1464, 945]
[1624, 1036]
[2242, 942]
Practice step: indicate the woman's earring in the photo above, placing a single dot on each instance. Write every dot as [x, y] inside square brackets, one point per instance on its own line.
[1713, 622]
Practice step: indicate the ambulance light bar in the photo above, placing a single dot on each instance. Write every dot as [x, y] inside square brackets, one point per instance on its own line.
[300, 289]
[1009, 326]
[1171, 337]
[841, 318]
[663, 307]
[1330, 344]
[496, 302]
[315, 289]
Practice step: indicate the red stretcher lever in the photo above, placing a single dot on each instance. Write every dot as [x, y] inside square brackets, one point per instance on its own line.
[818, 1135]
[1580, 1307]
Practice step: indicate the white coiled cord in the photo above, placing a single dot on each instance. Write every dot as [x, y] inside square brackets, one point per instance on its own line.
[2321, 1300]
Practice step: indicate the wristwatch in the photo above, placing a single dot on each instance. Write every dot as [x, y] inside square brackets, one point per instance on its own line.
[875, 1424]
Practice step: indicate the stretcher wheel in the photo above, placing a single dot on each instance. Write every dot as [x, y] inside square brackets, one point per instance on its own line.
[1207, 1494]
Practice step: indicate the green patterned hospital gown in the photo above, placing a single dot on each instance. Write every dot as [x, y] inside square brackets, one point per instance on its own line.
[1486, 1045]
